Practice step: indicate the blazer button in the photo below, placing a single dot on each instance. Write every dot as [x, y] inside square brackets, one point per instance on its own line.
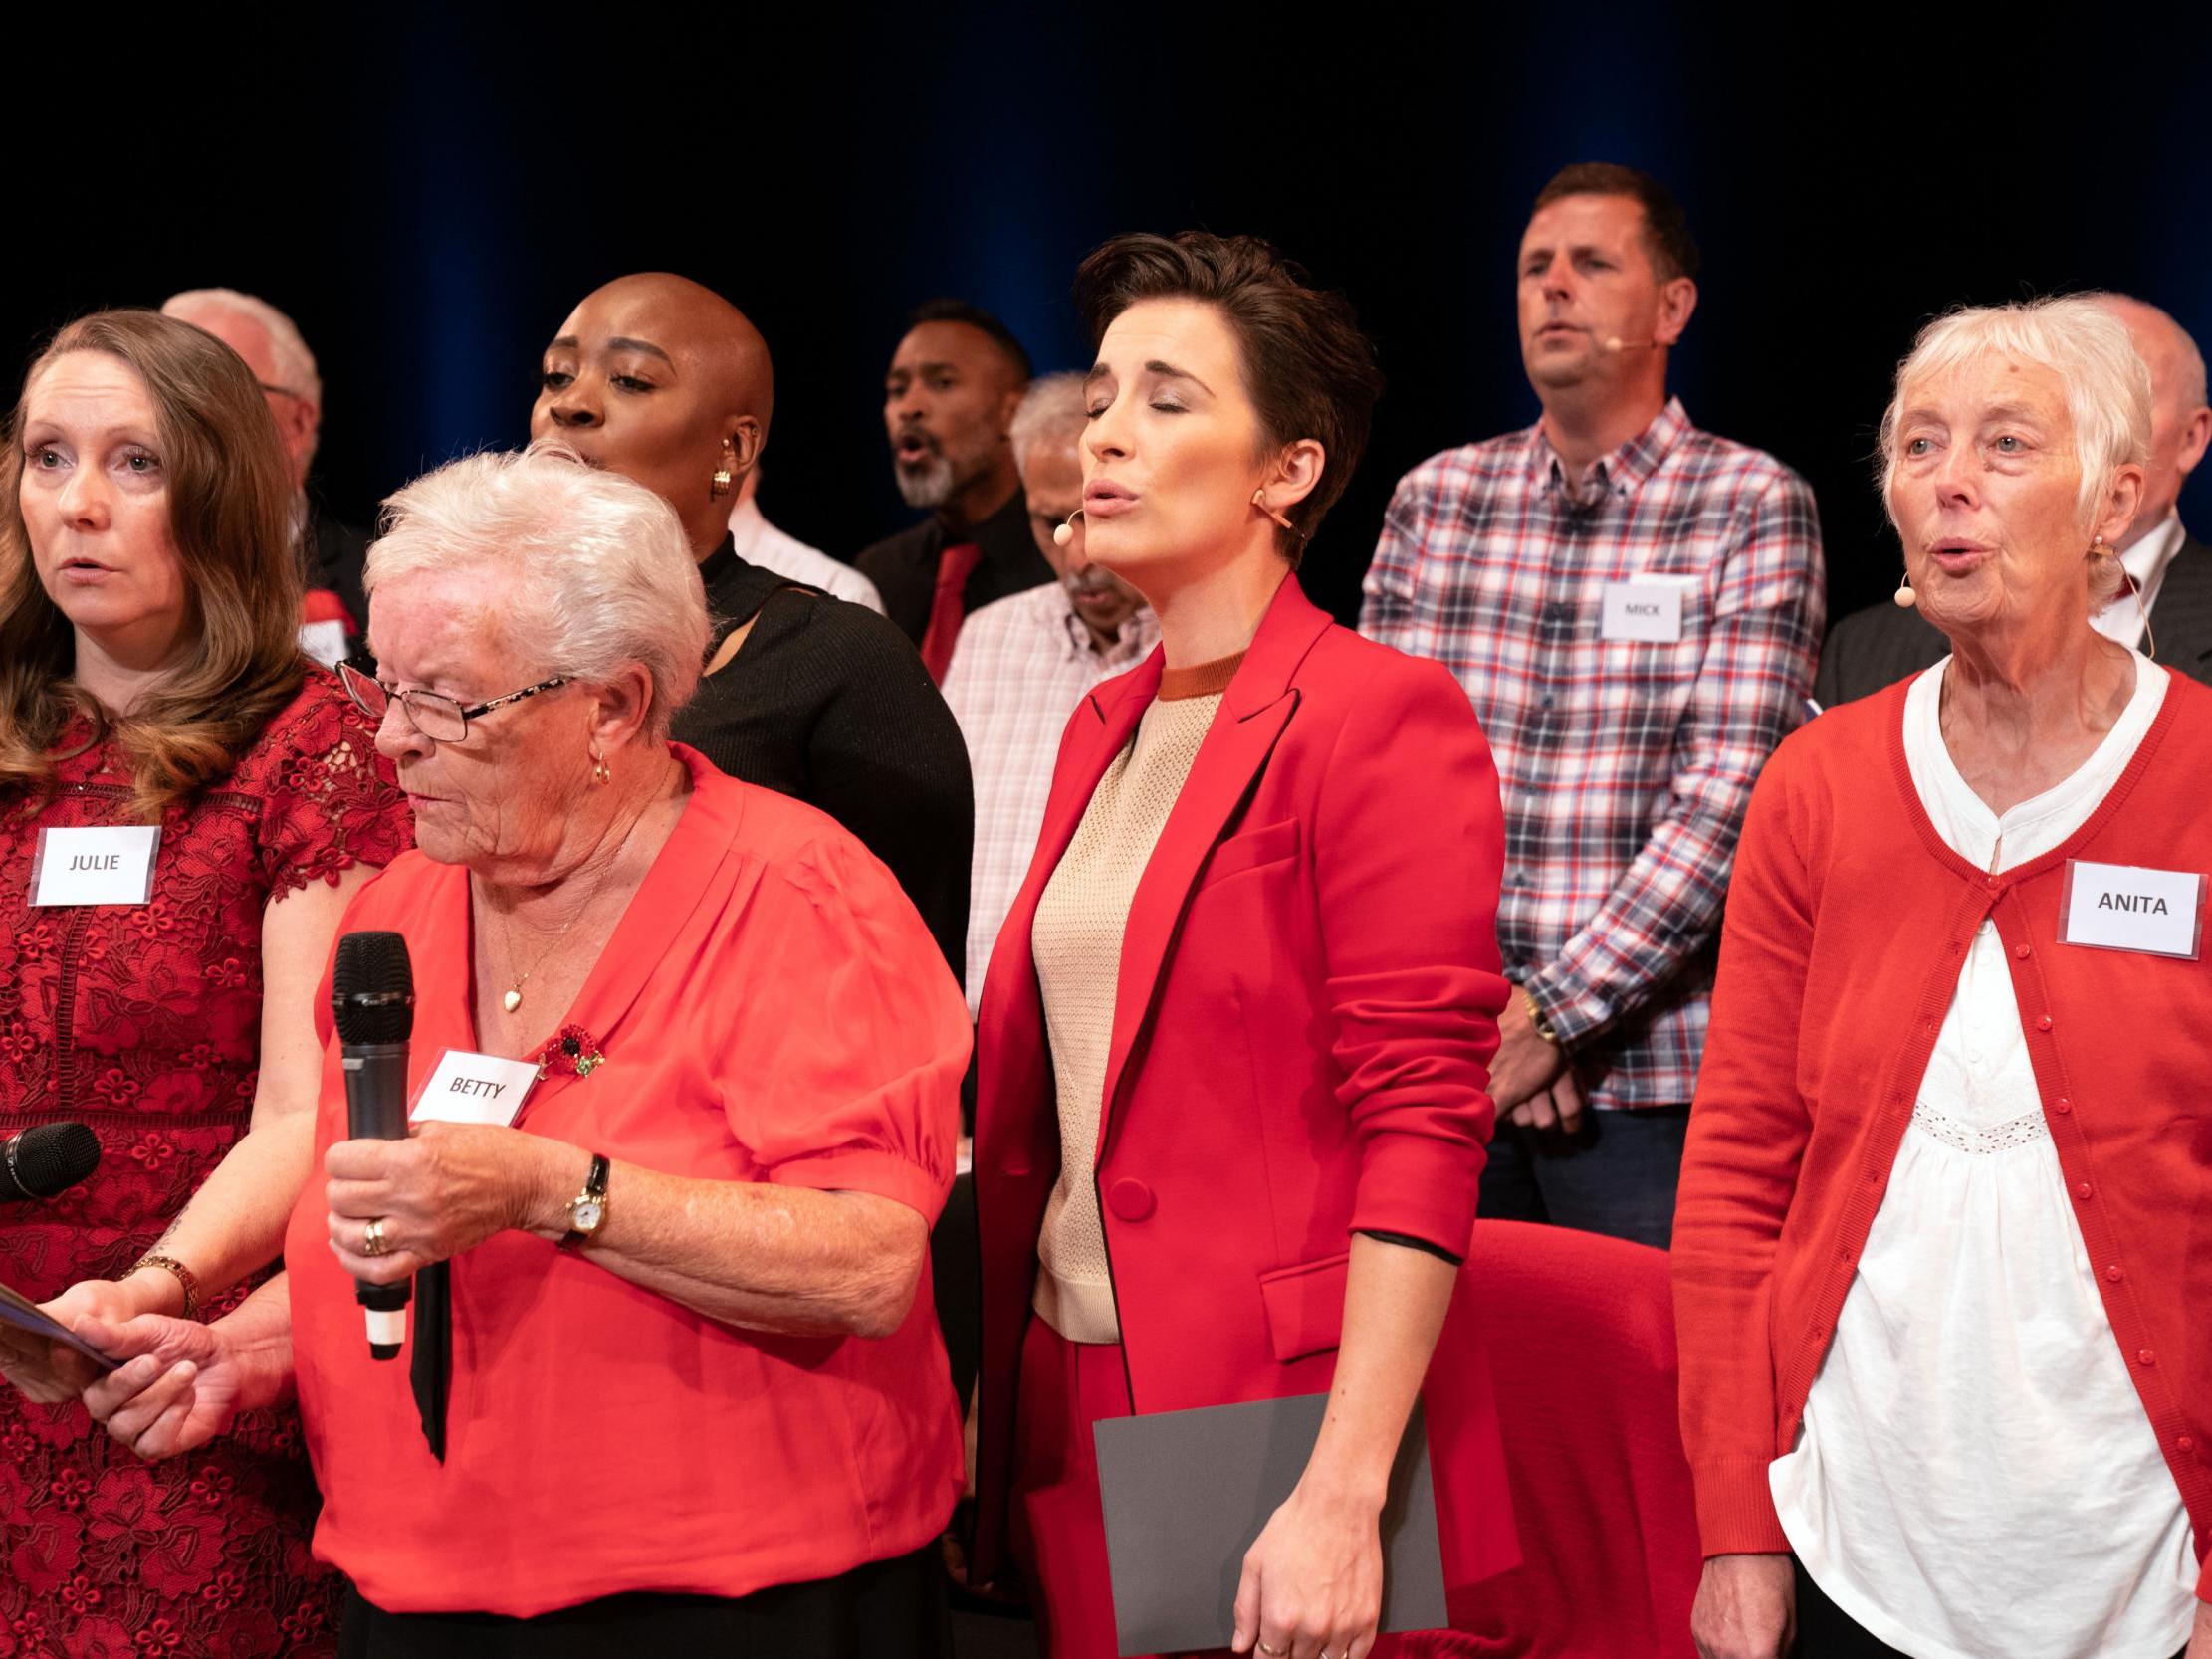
[1129, 1200]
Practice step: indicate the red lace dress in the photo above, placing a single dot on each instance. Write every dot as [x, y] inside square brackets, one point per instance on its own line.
[145, 1023]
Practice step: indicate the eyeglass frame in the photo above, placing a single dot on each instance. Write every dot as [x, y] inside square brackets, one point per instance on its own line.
[348, 674]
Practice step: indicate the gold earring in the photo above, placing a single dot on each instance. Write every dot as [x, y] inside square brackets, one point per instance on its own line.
[1273, 514]
[599, 770]
[723, 475]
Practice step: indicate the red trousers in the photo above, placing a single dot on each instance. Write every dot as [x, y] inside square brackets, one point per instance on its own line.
[1058, 1530]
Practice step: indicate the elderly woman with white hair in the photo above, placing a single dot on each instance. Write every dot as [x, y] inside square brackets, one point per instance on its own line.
[1940, 1259]
[697, 1399]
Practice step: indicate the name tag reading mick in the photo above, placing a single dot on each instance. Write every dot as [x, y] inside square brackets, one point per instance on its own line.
[2123, 907]
[107, 865]
[474, 1089]
[1647, 609]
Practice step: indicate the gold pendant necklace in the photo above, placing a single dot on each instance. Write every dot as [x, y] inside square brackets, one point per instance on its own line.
[512, 998]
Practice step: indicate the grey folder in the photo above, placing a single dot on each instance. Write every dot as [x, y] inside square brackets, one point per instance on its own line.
[1187, 1492]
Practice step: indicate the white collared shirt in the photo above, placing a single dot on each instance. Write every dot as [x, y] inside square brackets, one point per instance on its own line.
[757, 541]
[2121, 621]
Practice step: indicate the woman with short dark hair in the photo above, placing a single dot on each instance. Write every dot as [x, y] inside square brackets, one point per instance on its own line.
[1235, 1033]
[150, 677]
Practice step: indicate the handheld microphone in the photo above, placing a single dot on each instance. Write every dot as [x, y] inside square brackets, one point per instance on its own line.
[372, 996]
[46, 1159]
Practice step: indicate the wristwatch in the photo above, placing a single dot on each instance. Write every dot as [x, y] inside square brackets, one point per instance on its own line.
[587, 1210]
[1541, 1025]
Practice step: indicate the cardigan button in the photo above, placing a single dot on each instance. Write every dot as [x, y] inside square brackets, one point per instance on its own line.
[2185, 1444]
[2042, 1022]
[1130, 1199]
[2020, 950]
[2114, 1273]
[2147, 1357]
[2082, 1189]
[2062, 1106]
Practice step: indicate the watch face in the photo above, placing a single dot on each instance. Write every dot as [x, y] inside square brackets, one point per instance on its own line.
[585, 1215]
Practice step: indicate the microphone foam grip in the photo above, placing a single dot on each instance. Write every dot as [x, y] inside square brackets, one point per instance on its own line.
[372, 990]
[51, 1158]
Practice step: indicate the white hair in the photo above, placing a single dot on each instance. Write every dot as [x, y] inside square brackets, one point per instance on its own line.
[1051, 412]
[2107, 393]
[588, 570]
[295, 370]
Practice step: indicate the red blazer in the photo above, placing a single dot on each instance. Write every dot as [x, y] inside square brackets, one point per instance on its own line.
[1307, 1007]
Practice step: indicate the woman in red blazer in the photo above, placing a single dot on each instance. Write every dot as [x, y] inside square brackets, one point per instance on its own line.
[1234, 1034]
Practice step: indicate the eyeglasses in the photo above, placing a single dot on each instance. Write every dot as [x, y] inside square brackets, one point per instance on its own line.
[435, 715]
[284, 391]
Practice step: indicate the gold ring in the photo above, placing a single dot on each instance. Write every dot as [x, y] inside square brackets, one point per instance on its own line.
[372, 1238]
[1272, 1652]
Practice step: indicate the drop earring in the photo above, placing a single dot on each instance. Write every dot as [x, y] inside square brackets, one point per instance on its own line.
[724, 476]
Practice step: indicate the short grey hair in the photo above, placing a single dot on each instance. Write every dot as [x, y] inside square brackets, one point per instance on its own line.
[1052, 411]
[2107, 392]
[588, 569]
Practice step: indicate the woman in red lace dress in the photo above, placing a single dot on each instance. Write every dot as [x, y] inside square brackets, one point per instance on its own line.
[150, 674]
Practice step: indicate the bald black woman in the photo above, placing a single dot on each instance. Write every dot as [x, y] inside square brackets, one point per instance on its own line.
[665, 381]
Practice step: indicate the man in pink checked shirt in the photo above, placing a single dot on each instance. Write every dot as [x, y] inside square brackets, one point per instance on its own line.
[1635, 609]
[1023, 663]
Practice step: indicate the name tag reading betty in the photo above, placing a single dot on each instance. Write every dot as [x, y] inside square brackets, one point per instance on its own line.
[1643, 608]
[2122, 906]
[474, 1089]
[107, 865]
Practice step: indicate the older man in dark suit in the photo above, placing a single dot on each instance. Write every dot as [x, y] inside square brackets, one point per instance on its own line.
[2171, 569]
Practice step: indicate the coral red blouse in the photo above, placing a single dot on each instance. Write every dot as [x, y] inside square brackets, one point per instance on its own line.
[770, 1008]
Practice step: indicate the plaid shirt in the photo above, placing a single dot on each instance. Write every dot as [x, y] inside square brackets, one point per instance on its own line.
[1624, 766]
[1021, 667]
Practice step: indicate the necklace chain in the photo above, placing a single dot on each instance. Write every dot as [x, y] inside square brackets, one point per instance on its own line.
[512, 998]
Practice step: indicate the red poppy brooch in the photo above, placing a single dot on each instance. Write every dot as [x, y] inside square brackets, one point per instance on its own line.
[569, 1051]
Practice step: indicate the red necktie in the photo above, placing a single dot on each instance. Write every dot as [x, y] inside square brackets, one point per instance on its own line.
[953, 566]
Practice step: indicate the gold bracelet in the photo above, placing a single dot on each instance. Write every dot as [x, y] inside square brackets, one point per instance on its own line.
[183, 1275]
[1536, 1019]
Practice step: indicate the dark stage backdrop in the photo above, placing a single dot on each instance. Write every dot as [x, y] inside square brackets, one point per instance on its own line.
[428, 194]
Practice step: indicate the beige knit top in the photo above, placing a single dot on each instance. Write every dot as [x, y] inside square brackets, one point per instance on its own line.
[1076, 939]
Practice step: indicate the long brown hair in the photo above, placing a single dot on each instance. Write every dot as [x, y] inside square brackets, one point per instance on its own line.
[231, 513]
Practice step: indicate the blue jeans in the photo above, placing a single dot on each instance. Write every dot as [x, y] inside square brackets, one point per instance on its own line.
[1615, 1176]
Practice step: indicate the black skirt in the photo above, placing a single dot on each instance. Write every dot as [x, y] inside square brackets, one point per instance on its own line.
[893, 1609]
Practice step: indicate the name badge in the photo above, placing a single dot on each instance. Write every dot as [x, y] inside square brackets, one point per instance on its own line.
[107, 864]
[1643, 608]
[474, 1089]
[2122, 906]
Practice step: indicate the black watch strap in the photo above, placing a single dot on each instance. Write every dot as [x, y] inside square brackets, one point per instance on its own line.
[594, 1187]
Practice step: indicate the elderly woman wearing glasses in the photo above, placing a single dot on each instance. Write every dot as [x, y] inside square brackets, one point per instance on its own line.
[1940, 1258]
[696, 1397]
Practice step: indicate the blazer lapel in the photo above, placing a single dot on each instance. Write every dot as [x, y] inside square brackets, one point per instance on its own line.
[1255, 711]
[2181, 621]
[1009, 1027]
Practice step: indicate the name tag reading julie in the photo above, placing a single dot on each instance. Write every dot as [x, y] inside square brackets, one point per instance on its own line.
[2125, 906]
[104, 865]
[474, 1089]
[1647, 609]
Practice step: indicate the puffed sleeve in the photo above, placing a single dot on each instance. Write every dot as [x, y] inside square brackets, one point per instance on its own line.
[330, 800]
[1410, 847]
[851, 1035]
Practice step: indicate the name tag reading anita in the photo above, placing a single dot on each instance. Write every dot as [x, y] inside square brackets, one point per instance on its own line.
[474, 1089]
[103, 865]
[2123, 907]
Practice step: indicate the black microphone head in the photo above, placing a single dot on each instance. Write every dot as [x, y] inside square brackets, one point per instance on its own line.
[373, 991]
[51, 1158]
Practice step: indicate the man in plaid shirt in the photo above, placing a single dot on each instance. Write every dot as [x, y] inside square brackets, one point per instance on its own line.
[1635, 609]
[1023, 663]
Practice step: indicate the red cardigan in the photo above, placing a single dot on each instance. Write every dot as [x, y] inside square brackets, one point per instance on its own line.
[1849, 920]
[1307, 1007]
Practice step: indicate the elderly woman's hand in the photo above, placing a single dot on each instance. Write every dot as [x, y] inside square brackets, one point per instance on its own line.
[1746, 1607]
[444, 1189]
[49, 1371]
[181, 1388]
